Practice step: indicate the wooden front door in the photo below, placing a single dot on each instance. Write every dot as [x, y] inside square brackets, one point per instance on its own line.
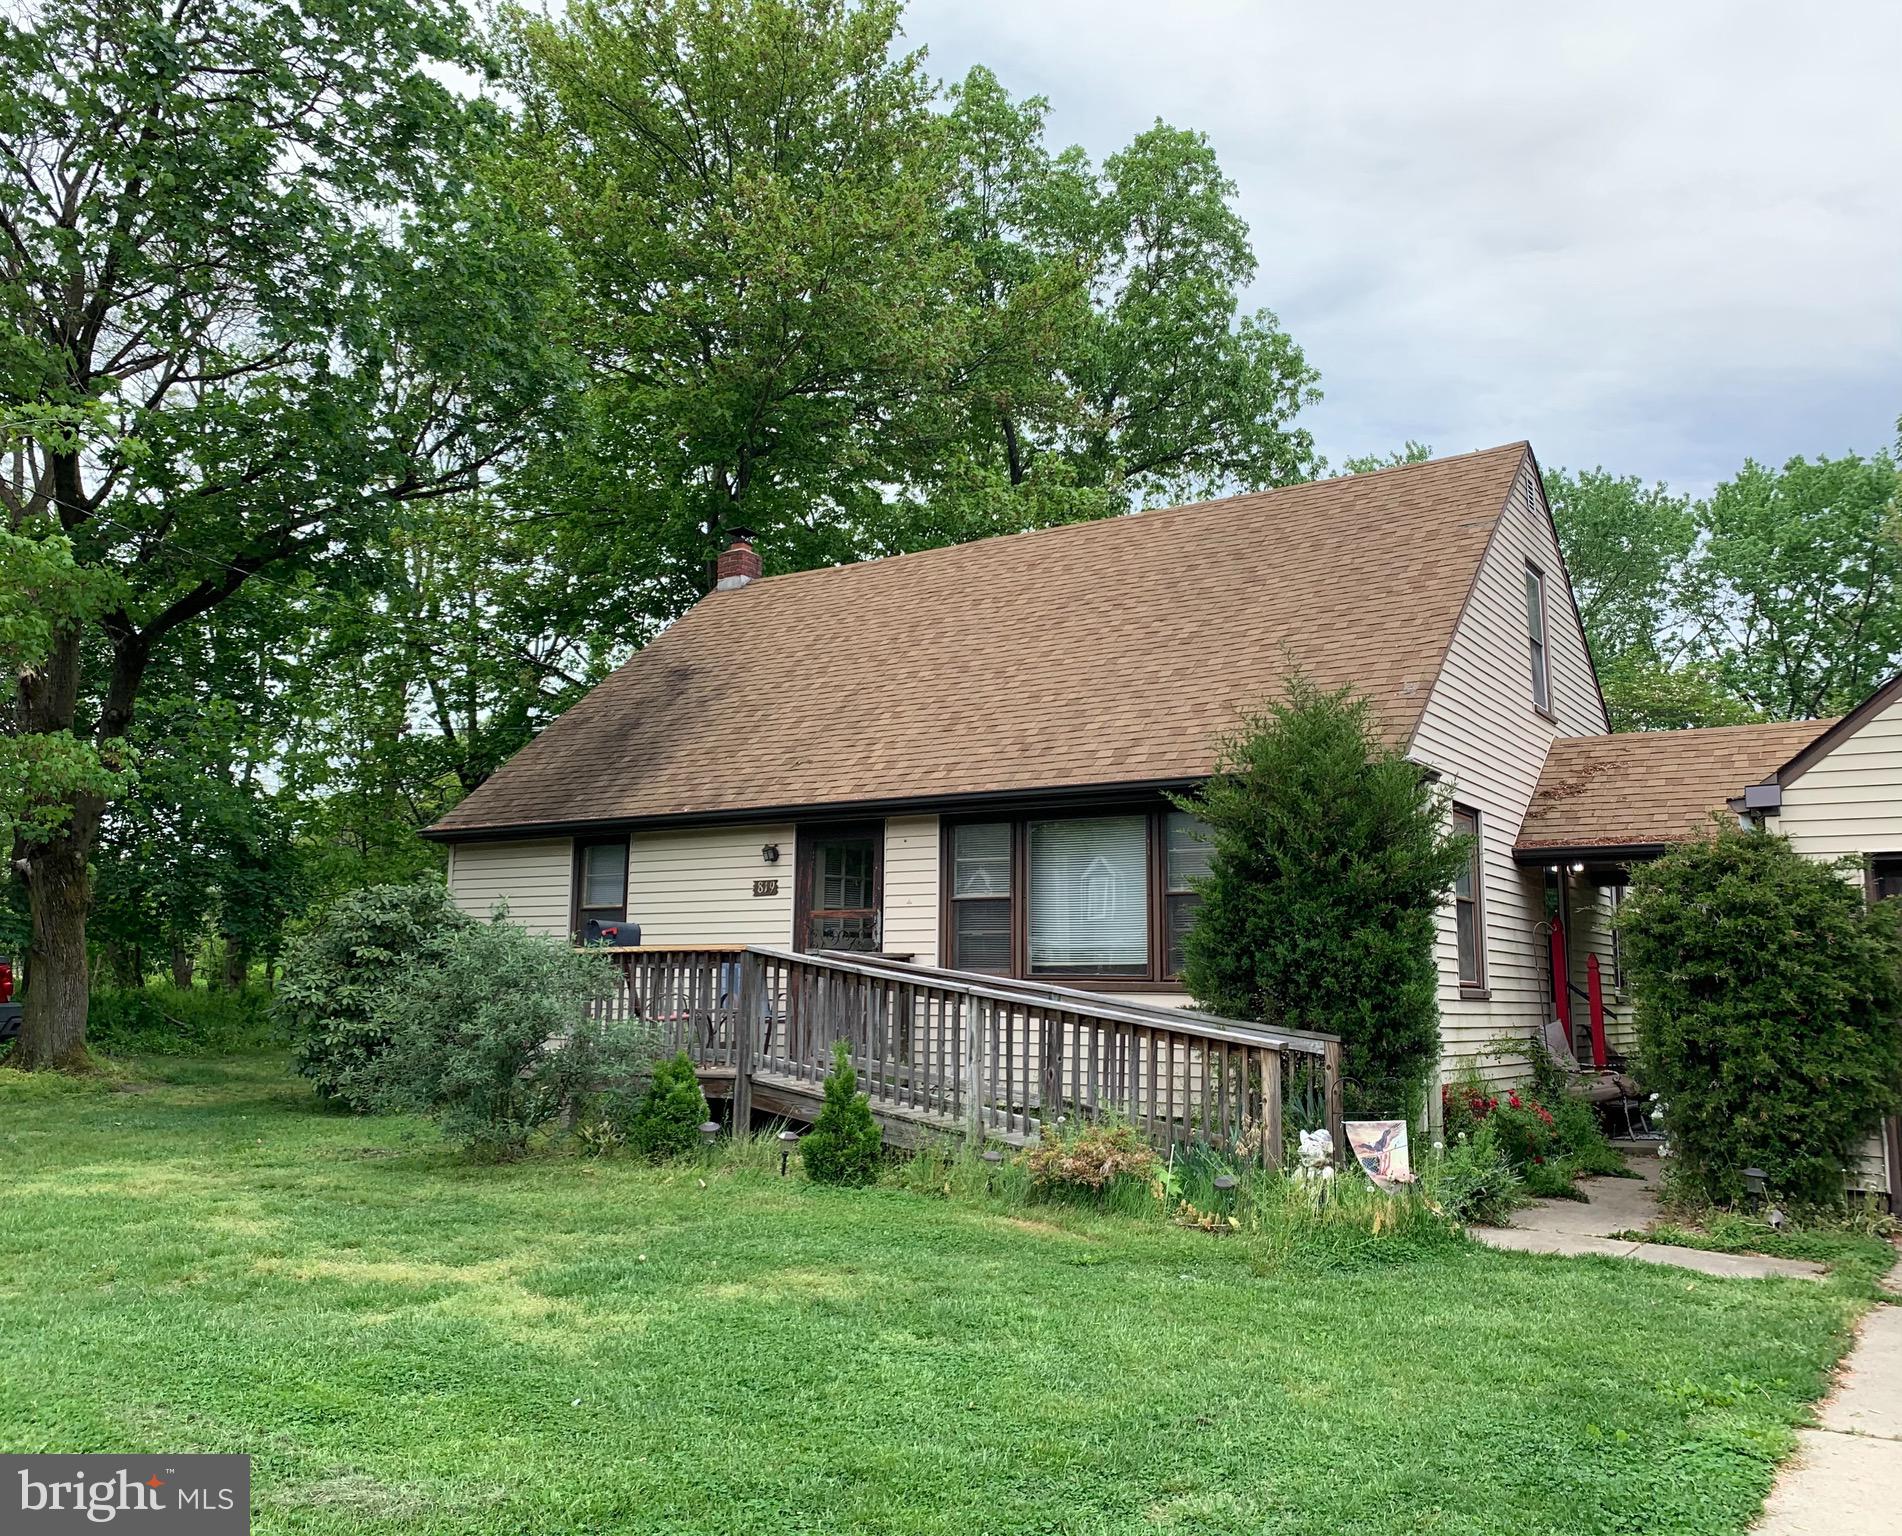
[841, 874]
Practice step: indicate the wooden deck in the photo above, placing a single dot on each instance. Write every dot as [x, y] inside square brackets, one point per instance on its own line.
[952, 1053]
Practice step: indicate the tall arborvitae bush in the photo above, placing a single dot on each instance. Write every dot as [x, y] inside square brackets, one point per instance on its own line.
[1330, 859]
[667, 1119]
[1769, 1001]
[843, 1146]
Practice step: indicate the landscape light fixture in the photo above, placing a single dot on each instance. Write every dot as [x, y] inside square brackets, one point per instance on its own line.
[1755, 1180]
[787, 1141]
[709, 1131]
[992, 1157]
[1225, 1188]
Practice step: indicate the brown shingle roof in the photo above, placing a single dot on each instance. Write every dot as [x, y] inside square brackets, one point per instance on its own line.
[1104, 653]
[1648, 788]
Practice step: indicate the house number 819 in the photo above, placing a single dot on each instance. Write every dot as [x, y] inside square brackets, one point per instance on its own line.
[765, 887]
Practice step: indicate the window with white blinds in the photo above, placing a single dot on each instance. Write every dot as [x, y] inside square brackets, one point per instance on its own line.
[1089, 896]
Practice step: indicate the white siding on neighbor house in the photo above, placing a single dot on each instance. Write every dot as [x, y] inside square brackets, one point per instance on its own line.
[695, 886]
[533, 879]
[1479, 729]
[911, 888]
[1849, 803]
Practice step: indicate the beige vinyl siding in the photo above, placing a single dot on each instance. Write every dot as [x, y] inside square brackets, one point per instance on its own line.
[695, 886]
[1849, 804]
[1480, 730]
[534, 879]
[911, 888]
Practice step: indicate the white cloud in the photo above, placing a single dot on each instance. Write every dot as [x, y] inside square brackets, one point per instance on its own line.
[1660, 237]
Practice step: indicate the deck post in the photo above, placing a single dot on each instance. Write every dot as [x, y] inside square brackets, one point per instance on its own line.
[971, 1014]
[1271, 1110]
[1335, 1117]
[746, 1030]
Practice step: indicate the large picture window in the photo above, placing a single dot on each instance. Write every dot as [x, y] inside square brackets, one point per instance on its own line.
[1093, 897]
[1089, 896]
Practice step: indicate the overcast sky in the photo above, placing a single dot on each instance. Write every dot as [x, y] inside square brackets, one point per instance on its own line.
[1659, 237]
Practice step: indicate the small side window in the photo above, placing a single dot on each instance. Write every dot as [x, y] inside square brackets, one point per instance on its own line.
[1469, 912]
[600, 884]
[1536, 640]
[1885, 876]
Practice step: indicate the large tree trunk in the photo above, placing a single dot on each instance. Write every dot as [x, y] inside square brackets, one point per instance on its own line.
[181, 967]
[53, 1023]
[237, 964]
[58, 888]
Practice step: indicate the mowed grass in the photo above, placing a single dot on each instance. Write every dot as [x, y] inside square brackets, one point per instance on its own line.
[404, 1342]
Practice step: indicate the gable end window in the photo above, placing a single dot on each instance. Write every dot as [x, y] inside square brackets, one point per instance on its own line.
[600, 884]
[1536, 640]
[1469, 904]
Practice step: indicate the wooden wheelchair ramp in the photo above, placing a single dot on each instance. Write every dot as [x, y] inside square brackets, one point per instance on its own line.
[956, 1053]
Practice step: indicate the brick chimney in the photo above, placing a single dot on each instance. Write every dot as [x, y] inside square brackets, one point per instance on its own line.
[738, 563]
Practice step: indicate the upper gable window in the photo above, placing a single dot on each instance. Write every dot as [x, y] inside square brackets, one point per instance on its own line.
[1536, 640]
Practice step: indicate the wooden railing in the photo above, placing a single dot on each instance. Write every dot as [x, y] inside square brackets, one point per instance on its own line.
[939, 1050]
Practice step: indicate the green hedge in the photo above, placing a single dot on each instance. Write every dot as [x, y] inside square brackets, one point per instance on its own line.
[163, 1020]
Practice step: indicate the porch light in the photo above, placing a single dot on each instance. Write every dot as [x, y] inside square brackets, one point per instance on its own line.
[788, 1139]
[769, 854]
[709, 1131]
[1578, 869]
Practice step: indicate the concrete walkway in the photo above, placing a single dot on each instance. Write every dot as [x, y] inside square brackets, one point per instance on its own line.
[1579, 1227]
[1846, 1476]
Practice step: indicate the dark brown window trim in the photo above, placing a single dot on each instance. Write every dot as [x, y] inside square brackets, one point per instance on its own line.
[1156, 974]
[578, 915]
[1869, 863]
[1481, 981]
[1476, 994]
[805, 870]
[1545, 711]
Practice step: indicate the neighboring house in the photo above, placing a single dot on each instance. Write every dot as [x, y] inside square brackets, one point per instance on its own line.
[963, 754]
[1832, 787]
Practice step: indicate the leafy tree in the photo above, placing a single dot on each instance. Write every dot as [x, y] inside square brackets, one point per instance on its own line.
[750, 196]
[1769, 1001]
[1796, 586]
[1367, 463]
[248, 310]
[1627, 546]
[1329, 863]
[844, 1145]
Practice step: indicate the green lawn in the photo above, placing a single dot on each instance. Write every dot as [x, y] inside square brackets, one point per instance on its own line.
[406, 1343]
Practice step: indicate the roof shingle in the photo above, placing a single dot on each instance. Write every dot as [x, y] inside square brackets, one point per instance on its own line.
[1103, 653]
[1644, 789]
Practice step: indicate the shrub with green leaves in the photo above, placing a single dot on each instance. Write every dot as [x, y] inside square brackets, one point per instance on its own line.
[844, 1145]
[666, 1120]
[1769, 1003]
[1330, 860]
[163, 1020]
[492, 1037]
[1473, 1180]
[335, 976]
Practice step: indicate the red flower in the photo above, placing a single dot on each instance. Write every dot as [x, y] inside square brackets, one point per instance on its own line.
[1513, 1099]
[1536, 1158]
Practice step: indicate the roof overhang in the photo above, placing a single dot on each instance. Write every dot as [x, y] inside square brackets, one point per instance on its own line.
[1591, 853]
[948, 805]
